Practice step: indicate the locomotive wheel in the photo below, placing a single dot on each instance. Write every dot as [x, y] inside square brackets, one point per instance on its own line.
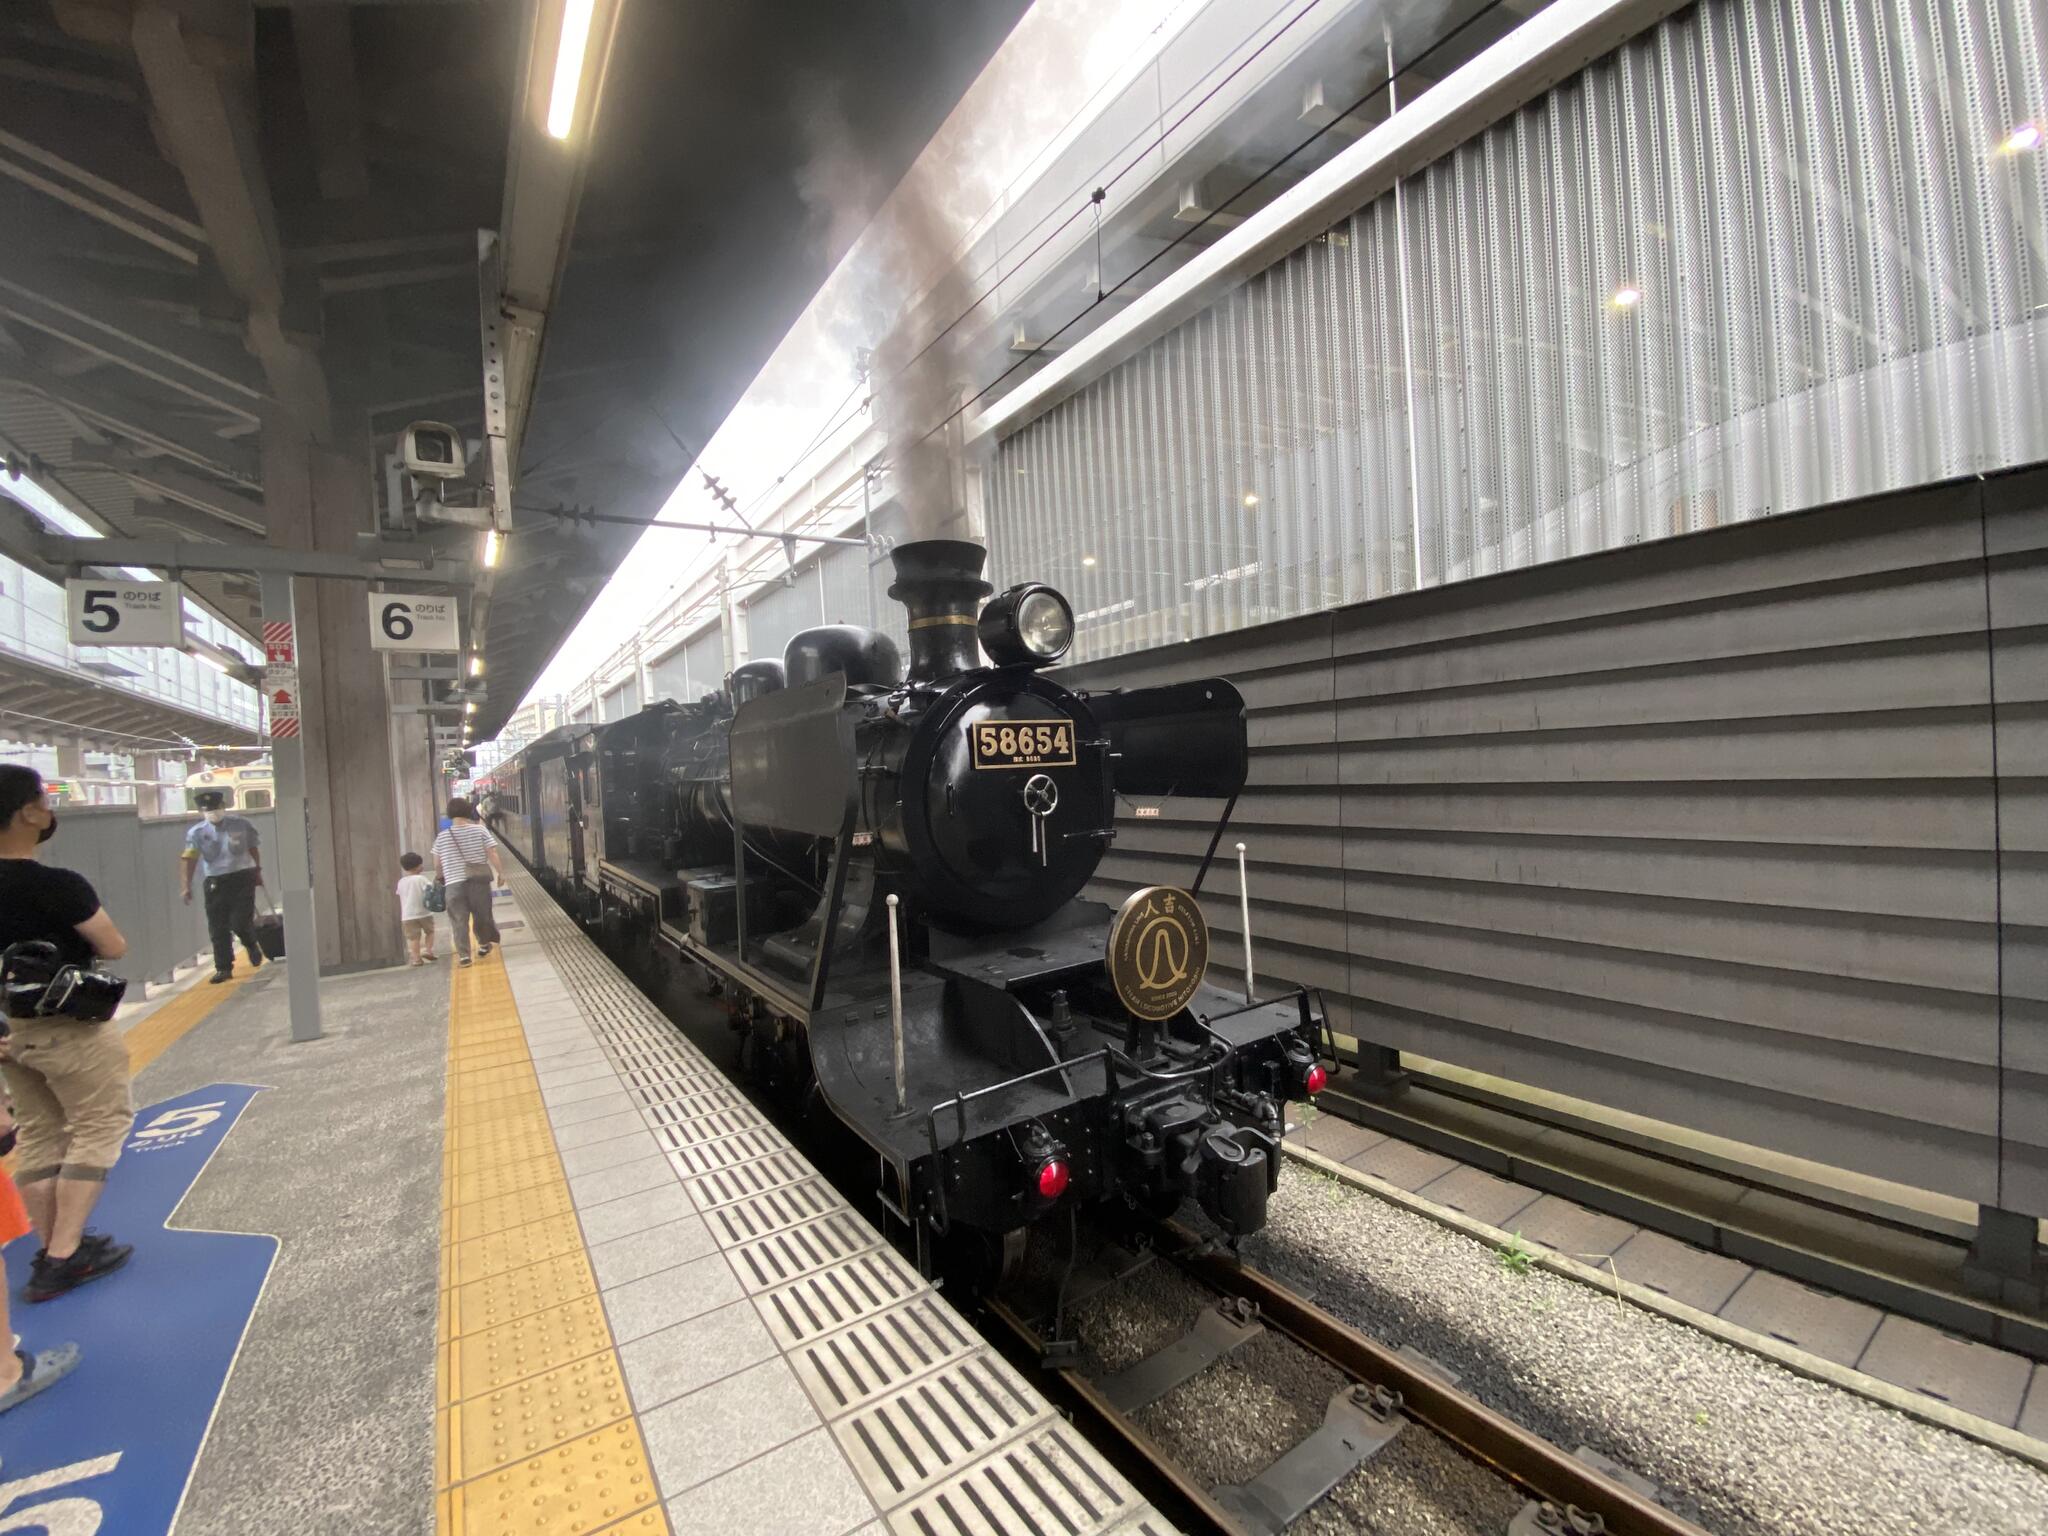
[978, 1263]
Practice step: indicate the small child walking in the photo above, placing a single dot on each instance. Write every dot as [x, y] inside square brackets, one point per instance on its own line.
[412, 909]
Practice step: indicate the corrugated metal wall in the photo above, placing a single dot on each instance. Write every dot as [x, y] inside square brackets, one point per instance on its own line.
[1770, 255]
[705, 658]
[1725, 830]
[775, 612]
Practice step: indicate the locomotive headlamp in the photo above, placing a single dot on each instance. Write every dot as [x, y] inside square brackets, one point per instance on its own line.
[1031, 626]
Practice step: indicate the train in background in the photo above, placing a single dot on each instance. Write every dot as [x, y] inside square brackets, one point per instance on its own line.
[880, 871]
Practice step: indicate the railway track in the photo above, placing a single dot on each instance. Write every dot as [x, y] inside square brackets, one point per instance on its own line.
[1387, 1393]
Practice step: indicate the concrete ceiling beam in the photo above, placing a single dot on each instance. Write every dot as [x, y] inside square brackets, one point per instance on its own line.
[324, 38]
[85, 315]
[202, 103]
[144, 424]
[229, 508]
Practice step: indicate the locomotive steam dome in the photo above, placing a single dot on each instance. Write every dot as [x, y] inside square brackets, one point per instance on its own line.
[995, 795]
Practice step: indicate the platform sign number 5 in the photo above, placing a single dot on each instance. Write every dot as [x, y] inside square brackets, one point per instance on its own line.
[175, 1125]
[406, 621]
[104, 611]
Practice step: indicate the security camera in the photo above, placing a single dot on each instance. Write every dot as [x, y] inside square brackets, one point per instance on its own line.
[432, 451]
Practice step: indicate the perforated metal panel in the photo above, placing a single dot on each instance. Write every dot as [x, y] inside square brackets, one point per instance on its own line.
[1765, 257]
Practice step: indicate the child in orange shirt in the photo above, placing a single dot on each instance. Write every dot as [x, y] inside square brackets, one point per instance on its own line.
[22, 1375]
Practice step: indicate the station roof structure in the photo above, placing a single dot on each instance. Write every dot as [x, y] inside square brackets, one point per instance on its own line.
[217, 207]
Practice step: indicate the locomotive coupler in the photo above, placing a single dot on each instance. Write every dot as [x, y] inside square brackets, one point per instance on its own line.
[1238, 1170]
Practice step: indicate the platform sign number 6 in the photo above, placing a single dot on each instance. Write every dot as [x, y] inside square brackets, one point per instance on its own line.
[407, 621]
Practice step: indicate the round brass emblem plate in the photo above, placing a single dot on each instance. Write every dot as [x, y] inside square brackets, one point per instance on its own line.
[1158, 951]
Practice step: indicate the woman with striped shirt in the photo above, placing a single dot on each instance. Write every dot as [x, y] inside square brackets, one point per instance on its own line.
[467, 855]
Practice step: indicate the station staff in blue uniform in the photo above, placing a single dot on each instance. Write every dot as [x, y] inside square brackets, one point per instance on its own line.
[225, 849]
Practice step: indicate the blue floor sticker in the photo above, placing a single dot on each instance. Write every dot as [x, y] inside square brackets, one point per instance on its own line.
[110, 1448]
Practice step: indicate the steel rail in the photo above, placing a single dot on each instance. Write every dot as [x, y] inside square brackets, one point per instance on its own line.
[1522, 1456]
[1191, 1495]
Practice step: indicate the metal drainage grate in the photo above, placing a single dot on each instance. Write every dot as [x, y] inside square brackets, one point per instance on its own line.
[782, 1257]
[677, 1111]
[915, 1438]
[707, 1124]
[675, 1082]
[773, 1210]
[832, 1298]
[856, 1365]
[749, 1179]
[1050, 1481]
[709, 1156]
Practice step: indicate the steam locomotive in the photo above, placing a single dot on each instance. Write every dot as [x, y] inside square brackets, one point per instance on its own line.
[880, 871]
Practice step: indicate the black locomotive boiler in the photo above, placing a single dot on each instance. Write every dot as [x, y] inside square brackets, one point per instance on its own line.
[880, 869]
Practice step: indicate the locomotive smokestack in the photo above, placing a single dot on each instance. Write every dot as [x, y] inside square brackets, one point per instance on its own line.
[939, 581]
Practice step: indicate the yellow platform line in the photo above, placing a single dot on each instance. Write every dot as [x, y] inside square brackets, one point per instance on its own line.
[177, 1018]
[534, 1434]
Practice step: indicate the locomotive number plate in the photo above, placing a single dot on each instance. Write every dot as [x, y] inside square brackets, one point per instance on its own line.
[1024, 744]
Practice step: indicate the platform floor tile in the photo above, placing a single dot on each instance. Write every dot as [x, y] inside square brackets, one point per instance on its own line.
[534, 1428]
[1475, 1193]
[694, 1353]
[1336, 1138]
[1973, 1377]
[649, 1252]
[1571, 1229]
[792, 1374]
[1679, 1270]
[1833, 1327]
[831, 1503]
[1402, 1164]
[2034, 1413]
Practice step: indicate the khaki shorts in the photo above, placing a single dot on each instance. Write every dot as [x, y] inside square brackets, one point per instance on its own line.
[419, 928]
[70, 1088]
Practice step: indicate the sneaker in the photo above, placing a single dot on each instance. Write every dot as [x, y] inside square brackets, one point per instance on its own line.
[255, 961]
[218, 977]
[96, 1256]
[482, 950]
[462, 960]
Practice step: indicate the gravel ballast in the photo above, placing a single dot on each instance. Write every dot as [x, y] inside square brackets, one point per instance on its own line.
[1744, 1447]
[1236, 1418]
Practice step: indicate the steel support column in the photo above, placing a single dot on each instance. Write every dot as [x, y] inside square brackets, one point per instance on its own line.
[293, 855]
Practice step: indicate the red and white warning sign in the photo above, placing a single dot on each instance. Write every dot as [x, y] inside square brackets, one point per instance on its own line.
[279, 648]
[281, 694]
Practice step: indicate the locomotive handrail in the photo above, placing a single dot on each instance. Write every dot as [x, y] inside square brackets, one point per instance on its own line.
[1214, 839]
[958, 1103]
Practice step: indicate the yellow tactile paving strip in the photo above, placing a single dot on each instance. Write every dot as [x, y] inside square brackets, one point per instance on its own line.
[533, 1431]
[176, 1018]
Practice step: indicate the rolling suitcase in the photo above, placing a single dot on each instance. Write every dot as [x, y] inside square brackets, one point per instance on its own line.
[269, 928]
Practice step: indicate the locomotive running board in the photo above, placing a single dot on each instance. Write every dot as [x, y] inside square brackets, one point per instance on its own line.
[1220, 1330]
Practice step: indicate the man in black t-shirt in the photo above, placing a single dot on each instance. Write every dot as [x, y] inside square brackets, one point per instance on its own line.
[69, 1080]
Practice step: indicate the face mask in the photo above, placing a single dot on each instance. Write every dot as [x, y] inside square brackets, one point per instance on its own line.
[50, 831]
[216, 817]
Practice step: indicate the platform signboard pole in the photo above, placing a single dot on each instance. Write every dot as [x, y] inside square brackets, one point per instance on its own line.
[294, 853]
